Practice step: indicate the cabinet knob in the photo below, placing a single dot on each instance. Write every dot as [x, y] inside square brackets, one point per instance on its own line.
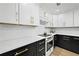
[32, 20]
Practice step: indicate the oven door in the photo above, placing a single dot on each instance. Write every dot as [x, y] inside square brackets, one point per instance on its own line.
[49, 45]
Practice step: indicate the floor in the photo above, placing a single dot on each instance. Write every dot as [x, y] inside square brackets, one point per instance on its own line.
[62, 52]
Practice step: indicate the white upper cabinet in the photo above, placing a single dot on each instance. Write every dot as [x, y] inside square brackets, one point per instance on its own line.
[55, 20]
[61, 21]
[9, 13]
[43, 17]
[41, 13]
[49, 20]
[58, 20]
[28, 14]
[68, 17]
[76, 17]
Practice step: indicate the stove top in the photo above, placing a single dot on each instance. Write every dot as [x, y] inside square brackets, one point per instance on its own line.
[44, 35]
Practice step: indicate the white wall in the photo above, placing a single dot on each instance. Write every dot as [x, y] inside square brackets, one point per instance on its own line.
[72, 31]
[16, 31]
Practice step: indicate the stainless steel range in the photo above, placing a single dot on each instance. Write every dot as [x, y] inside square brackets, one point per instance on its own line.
[49, 45]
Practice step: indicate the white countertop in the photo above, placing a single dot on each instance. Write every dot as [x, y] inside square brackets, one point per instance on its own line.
[8, 45]
[70, 34]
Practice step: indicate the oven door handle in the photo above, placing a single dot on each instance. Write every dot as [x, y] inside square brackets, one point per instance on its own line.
[50, 40]
[18, 53]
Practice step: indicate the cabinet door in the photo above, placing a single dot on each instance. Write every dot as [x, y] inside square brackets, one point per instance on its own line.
[8, 13]
[31, 50]
[64, 42]
[49, 20]
[75, 44]
[41, 48]
[36, 14]
[68, 17]
[61, 21]
[58, 20]
[44, 18]
[76, 17]
[29, 14]
[55, 20]
[41, 13]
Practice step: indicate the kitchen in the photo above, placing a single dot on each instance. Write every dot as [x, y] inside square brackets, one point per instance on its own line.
[39, 29]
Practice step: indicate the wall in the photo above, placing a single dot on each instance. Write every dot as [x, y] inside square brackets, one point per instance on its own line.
[72, 31]
[16, 31]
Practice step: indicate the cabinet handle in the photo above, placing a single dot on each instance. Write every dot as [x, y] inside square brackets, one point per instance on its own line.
[32, 20]
[17, 53]
[76, 38]
[65, 39]
[41, 49]
[16, 16]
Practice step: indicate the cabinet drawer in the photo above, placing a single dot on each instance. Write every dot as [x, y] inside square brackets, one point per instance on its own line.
[41, 47]
[41, 53]
[41, 42]
[76, 38]
[66, 37]
[9, 53]
[63, 40]
[28, 50]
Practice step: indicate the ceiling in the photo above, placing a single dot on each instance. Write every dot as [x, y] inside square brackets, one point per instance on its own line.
[62, 8]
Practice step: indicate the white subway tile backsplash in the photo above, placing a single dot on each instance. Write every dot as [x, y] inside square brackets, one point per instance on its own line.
[17, 31]
[72, 31]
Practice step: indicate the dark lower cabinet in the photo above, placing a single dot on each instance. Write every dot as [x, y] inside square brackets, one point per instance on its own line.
[75, 44]
[41, 48]
[33, 49]
[29, 50]
[10, 53]
[70, 43]
[56, 38]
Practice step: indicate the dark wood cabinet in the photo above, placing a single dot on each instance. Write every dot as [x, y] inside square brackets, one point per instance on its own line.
[56, 40]
[33, 49]
[70, 43]
[75, 44]
[9, 53]
[64, 41]
[28, 50]
[41, 48]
